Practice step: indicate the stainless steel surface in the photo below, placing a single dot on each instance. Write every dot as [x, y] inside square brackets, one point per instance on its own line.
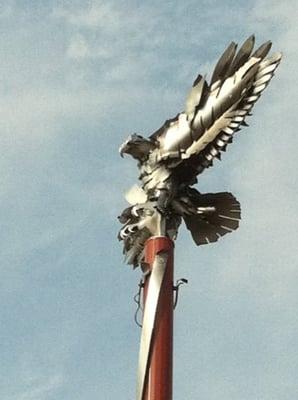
[173, 157]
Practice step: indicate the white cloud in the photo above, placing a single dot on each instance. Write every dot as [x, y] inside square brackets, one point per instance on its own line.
[78, 48]
[133, 41]
[119, 68]
[94, 16]
[40, 390]
[6, 9]
[37, 112]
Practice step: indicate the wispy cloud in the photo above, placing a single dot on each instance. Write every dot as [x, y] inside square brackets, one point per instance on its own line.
[93, 16]
[75, 80]
[6, 9]
[78, 48]
[40, 390]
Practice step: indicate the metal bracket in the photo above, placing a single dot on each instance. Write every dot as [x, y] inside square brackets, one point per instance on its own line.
[179, 282]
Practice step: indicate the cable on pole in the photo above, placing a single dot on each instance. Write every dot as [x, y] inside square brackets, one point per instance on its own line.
[179, 282]
[137, 300]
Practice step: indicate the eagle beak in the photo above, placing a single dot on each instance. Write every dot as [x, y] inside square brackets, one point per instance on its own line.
[122, 149]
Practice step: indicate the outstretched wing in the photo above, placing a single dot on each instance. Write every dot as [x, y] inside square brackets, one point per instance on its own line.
[215, 111]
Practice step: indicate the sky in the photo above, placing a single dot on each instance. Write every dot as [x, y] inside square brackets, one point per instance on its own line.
[76, 78]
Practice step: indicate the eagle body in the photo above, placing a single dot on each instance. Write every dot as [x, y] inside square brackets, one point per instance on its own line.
[172, 158]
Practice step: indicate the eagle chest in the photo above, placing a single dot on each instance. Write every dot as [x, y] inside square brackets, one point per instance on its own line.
[153, 175]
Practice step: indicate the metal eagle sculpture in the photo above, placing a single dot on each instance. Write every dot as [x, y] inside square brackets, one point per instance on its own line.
[171, 159]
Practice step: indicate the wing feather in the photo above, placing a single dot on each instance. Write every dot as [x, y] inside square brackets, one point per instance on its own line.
[237, 116]
[243, 54]
[224, 63]
[215, 112]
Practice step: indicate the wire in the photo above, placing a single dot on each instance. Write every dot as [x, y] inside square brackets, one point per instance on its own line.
[137, 300]
[179, 282]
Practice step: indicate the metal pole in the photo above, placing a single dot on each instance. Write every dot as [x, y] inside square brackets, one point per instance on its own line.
[159, 383]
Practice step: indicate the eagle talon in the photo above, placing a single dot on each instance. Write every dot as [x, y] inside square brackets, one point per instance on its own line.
[123, 235]
[128, 230]
[136, 210]
[133, 228]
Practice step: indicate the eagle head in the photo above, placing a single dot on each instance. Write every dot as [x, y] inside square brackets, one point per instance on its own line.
[137, 147]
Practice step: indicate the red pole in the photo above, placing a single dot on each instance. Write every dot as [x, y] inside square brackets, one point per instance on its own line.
[160, 380]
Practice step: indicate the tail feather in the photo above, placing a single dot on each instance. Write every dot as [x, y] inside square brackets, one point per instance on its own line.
[210, 226]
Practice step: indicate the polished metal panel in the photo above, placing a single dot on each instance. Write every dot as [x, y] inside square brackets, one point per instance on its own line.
[171, 159]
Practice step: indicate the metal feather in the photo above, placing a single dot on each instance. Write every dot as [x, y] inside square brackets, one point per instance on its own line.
[171, 160]
[224, 63]
[243, 54]
[263, 50]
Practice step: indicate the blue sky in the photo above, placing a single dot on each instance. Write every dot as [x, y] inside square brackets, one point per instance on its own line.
[75, 79]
